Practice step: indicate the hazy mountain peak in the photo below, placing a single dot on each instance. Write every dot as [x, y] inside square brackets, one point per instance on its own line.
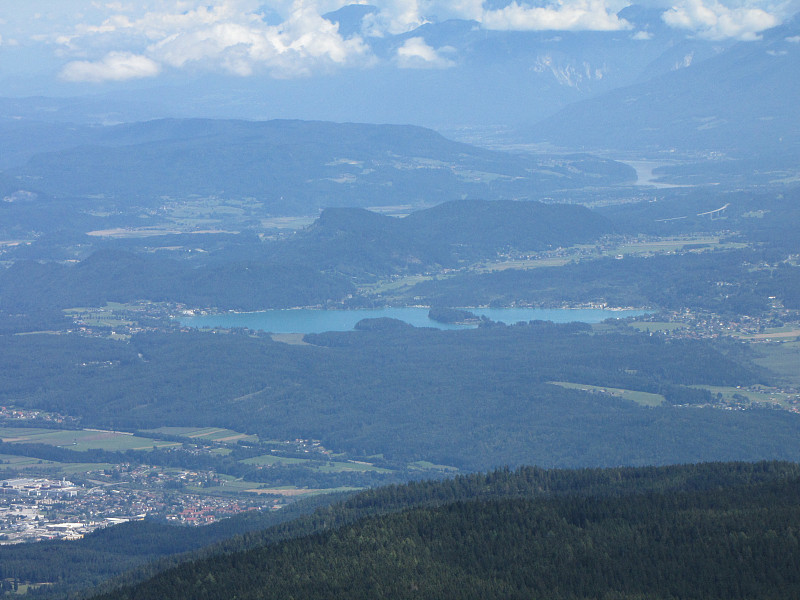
[644, 18]
[350, 18]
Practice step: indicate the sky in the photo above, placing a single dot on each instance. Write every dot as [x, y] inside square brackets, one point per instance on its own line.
[94, 41]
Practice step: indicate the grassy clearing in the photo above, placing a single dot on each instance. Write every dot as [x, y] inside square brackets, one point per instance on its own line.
[10, 461]
[229, 485]
[424, 465]
[82, 468]
[48, 467]
[80, 440]
[776, 333]
[757, 395]
[564, 256]
[294, 492]
[340, 467]
[322, 465]
[656, 325]
[647, 247]
[213, 434]
[293, 339]
[782, 359]
[112, 315]
[394, 285]
[522, 264]
[287, 222]
[641, 398]
[269, 460]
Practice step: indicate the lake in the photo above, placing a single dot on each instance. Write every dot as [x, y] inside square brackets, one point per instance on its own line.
[308, 320]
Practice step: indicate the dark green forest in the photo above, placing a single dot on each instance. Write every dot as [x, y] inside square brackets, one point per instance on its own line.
[313, 268]
[118, 276]
[701, 531]
[291, 166]
[725, 282]
[403, 392]
[392, 394]
[322, 264]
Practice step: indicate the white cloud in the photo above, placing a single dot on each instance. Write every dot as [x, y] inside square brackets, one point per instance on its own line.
[394, 17]
[715, 21]
[118, 39]
[228, 35]
[642, 35]
[592, 15]
[115, 66]
[305, 41]
[415, 53]
[795, 39]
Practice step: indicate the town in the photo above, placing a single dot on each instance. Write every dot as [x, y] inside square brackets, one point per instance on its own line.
[34, 509]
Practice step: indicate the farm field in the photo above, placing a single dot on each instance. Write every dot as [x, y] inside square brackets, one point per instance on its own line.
[425, 465]
[293, 492]
[778, 333]
[81, 439]
[673, 245]
[213, 434]
[756, 396]
[9, 461]
[656, 325]
[320, 465]
[48, 468]
[782, 358]
[563, 256]
[641, 398]
[228, 485]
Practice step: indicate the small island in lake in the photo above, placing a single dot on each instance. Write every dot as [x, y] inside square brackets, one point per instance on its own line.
[453, 316]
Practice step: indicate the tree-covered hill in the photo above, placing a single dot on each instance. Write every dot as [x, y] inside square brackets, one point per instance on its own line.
[294, 167]
[313, 267]
[725, 282]
[455, 233]
[702, 531]
[472, 399]
[120, 276]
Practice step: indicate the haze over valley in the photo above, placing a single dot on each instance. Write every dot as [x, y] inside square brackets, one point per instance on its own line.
[325, 299]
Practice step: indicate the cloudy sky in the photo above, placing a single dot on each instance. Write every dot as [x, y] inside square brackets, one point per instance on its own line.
[96, 41]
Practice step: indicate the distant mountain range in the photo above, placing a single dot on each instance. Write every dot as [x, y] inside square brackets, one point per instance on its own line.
[741, 102]
[286, 167]
[649, 88]
[475, 76]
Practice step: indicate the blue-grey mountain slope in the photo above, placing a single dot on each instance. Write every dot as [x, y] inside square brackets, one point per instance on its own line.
[742, 102]
[294, 167]
[472, 76]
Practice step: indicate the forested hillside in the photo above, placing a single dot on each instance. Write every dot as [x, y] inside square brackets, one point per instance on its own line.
[119, 276]
[702, 531]
[452, 234]
[471, 399]
[314, 267]
[289, 167]
[725, 282]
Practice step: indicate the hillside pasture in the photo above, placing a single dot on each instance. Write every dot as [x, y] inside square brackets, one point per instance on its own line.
[321, 465]
[640, 398]
[81, 439]
[212, 434]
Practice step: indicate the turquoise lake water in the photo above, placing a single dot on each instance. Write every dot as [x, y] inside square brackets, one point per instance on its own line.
[306, 320]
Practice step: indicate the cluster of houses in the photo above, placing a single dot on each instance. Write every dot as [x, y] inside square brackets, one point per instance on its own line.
[33, 509]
